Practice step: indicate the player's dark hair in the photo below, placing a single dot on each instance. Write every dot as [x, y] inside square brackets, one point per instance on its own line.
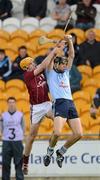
[22, 47]
[38, 60]
[11, 98]
[60, 60]
[2, 51]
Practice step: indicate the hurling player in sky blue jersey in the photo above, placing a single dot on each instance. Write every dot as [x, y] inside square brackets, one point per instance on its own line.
[57, 75]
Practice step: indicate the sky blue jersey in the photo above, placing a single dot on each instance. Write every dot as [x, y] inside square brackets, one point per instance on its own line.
[59, 85]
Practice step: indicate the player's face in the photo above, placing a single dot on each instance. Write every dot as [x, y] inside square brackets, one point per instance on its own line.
[32, 66]
[62, 66]
[2, 55]
[87, 2]
[62, 1]
[91, 36]
[11, 105]
[22, 53]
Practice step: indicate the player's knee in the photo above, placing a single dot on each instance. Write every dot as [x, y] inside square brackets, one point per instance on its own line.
[33, 133]
[57, 133]
[79, 135]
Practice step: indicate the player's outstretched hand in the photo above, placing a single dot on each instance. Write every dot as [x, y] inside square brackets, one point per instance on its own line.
[68, 37]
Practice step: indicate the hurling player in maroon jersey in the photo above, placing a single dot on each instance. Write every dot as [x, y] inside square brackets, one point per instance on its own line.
[39, 100]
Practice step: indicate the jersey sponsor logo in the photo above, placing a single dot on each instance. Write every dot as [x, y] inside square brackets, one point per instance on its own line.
[62, 84]
[41, 82]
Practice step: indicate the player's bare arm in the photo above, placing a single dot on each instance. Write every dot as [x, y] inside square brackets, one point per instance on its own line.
[46, 62]
[71, 53]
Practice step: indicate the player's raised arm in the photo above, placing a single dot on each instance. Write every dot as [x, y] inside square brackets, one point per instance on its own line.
[46, 62]
[71, 53]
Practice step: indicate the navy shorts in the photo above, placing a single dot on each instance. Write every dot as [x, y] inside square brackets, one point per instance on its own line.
[65, 108]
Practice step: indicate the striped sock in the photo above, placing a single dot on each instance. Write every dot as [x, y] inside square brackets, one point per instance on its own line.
[62, 150]
[50, 151]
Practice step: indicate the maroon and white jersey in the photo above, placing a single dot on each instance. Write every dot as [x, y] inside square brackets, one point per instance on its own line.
[12, 129]
[37, 87]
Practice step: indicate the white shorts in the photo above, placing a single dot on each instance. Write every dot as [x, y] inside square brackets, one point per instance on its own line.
[38, 111]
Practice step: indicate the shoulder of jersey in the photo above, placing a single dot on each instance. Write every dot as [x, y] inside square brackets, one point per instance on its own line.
[19, 112]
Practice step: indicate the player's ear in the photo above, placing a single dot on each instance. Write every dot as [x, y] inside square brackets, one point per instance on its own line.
[56, 65]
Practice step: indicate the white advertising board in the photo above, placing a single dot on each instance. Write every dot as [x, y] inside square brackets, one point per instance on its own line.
[82, 159]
